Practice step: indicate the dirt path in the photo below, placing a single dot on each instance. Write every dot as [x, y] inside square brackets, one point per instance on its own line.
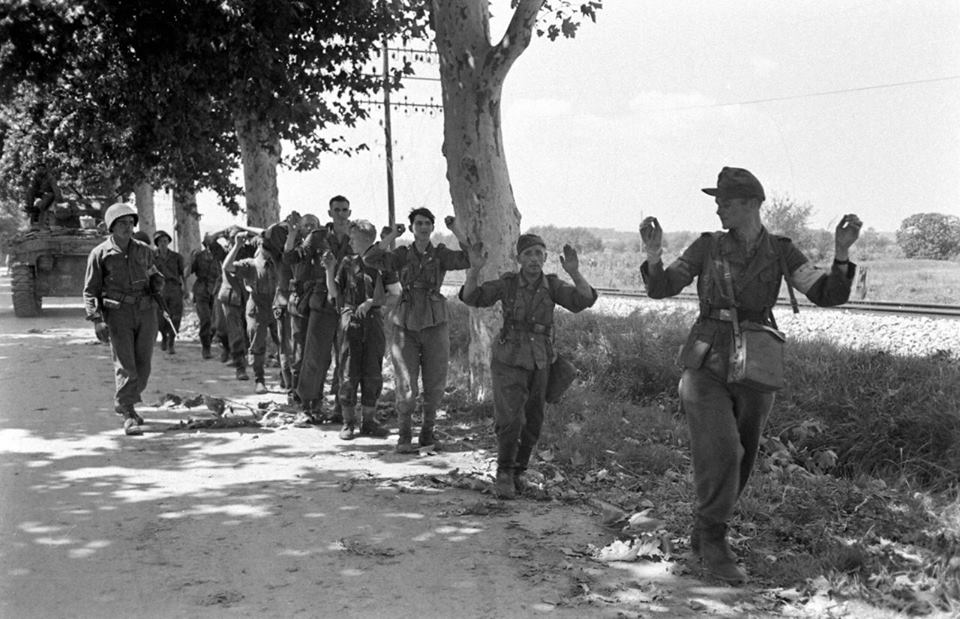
[269, 521]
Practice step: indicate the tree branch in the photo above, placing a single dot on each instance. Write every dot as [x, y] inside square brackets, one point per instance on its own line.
[516, 39]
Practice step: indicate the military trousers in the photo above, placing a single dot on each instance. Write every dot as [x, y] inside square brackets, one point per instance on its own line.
[319, 348]
[362, 345]
[284, 344]
[203, 304]
[133, 332]
[519, 404]
[235, 328]
[725, 422]
[173, 298]
[420, 354]
[260, 319]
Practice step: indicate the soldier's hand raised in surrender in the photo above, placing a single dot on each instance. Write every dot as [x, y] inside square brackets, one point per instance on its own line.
[848, 231]
[477, 255]
[569, 260]
[652, 235]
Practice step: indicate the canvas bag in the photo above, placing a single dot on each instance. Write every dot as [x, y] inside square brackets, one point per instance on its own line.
[756, 350]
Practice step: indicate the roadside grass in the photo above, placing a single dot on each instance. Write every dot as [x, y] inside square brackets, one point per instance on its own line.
[856, 488]
[913, 281]
[891, 279]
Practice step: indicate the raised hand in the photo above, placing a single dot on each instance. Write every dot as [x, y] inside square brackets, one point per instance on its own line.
[848, 231]
[652, 235]
[569, 260]
[477, 255]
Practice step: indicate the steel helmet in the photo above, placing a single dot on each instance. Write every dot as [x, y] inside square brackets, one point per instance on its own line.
[118, 210]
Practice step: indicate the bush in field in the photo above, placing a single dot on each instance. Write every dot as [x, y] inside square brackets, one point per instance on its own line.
[580, 238]
[930, 235]
[784, 215]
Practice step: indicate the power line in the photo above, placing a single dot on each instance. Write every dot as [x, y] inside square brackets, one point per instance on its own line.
[808, 95]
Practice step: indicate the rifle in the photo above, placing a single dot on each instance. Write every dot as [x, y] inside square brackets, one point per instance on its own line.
[165, 311]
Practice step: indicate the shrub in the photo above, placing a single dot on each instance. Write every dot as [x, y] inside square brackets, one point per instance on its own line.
[930, 235]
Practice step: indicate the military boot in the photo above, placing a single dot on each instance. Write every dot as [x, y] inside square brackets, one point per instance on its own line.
[349, 429]
[405, 441]
[716, 555]
[369, 426]
[205, 352]
[504, 486]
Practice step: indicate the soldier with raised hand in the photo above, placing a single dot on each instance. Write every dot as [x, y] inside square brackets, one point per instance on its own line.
[118, 290]
[524, 351]
[421, 337]
[321, 319]
[738, 277]
[259, 279]
[361, 292]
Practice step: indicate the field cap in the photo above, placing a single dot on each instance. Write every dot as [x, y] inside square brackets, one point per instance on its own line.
[736, 183]
[528, 240]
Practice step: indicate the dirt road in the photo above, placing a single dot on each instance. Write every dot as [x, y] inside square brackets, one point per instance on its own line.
[268, 522]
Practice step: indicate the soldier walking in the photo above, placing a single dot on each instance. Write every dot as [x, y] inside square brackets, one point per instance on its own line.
[118, 296]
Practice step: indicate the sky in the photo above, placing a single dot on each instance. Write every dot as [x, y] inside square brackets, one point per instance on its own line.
[850, 106]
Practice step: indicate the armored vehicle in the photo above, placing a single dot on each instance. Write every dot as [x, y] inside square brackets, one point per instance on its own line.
[49, 263]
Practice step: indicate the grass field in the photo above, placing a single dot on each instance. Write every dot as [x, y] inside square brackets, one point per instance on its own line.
[908, 281]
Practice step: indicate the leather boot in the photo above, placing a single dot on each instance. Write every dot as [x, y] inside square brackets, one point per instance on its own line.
[717, 557]
[504, 487]
[369, 426]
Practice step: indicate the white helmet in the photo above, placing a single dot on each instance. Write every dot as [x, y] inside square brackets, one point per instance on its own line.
[118, 210]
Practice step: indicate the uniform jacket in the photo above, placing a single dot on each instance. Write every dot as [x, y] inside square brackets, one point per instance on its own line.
[421, 275]
[526, 339]
[358, 282]
[171, 267]
[274, 239]
[756, 285]
[309, 274]
[114, 273]
[205, 264]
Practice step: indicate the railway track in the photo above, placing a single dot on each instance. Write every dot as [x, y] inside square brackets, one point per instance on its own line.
[885, 307]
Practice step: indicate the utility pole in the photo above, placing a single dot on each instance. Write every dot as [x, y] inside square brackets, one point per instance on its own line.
[391, 207]
[418, 55]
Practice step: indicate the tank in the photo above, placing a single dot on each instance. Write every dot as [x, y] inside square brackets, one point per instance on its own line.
[49, 263]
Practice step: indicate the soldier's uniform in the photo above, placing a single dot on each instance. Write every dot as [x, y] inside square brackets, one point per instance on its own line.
[233, 299]
[361, 340]
[205, 265]
[171, 265]
[259, 279]
[421, 337]
[522, 354]
[117, 289]
[318, 319]
[274, 238]
[726, 420]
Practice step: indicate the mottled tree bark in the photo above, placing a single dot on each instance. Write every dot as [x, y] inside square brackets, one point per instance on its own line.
[260, 154]
[472, 72]
[143, 199]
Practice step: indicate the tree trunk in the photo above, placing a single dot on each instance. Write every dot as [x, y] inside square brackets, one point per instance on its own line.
[186, 223]
[472, 71]
[260, 154]
[143, 198]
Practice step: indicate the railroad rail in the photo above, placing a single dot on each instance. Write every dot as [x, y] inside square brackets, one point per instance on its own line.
[888, 307]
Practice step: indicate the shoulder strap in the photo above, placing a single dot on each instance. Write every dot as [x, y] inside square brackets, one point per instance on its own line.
[786, 277]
